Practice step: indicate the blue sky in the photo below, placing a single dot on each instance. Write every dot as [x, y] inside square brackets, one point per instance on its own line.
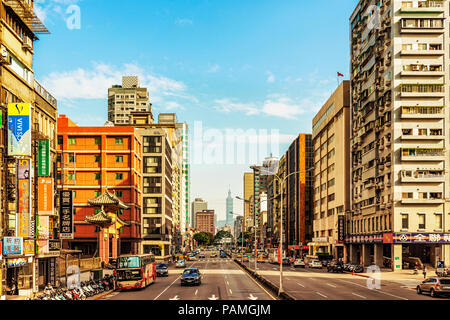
[255, 64]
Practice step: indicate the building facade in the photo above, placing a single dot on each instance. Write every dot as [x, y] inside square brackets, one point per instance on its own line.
[21, 96]
[91, 160]
[198, 205]
[127, 98]
[299, 194]
[399, 99]
[331, 141]
[205, 221]
[248, 194]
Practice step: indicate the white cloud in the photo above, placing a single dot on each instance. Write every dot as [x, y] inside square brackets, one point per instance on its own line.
[93, 83]
[271, 77]
[183, 21]
[274, 105]
[214, 68]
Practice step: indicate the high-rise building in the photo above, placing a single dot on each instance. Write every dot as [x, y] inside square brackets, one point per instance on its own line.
[38, 118]
[205, 221]
[91, 161]
[237, 227]
[399, 164]
[248, 196]
[229, 209]
[299, 193]
[331, 141]
[198, 205]
[126, 99]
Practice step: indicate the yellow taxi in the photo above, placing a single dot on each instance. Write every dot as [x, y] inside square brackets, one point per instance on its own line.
[239, 255]
[261, 259]
[213, 255]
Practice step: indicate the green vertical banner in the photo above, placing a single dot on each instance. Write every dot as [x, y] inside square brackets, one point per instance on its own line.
[44, 158]
[1, 119]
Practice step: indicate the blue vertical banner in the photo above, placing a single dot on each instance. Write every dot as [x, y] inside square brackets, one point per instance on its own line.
[19, 129]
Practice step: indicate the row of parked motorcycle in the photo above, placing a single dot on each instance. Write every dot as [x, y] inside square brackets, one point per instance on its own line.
[85, 290]
[353, 268]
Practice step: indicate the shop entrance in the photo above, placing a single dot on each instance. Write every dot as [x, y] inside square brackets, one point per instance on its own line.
[427, 253]
[12, 283]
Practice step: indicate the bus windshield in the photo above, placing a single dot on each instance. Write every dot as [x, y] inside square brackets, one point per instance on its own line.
[129, 262]
[127, 275]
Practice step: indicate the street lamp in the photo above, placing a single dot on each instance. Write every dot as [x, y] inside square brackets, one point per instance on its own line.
[282, 181]
[242, 234]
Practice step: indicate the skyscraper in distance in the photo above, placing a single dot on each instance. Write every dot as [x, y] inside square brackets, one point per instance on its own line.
[229, 212]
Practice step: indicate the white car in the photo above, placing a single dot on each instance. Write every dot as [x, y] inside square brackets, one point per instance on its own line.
[315, 264]
[299, 263]
[181, 264]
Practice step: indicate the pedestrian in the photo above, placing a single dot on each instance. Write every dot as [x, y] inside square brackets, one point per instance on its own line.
[424, 272]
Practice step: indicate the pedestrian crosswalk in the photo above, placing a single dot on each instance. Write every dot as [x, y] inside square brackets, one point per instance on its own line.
[214, 260]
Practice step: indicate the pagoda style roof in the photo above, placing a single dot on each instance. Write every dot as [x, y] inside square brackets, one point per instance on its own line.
[108, 199]
[102, 218]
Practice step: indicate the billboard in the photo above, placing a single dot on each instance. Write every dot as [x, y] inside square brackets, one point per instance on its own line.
[44, 158]
[66, 214]
[19, 129]
[12, 245]
[28, 247]
[23, 209]
[45, 196]
[43, 227]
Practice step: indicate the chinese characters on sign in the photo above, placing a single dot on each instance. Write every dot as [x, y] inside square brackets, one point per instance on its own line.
[12, 245]
[421, 238]
[66, 214]
[44, 158]
[341, 235]
[23, 218]
[45, 196]
[19, 129]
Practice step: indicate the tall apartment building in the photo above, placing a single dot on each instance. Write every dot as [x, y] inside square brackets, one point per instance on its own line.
[127, 98]
[299, 193]
[276, 197]
[17, 85]
[198, 205]
[248, 196]
[91, 160]
[237, 228]
[205, 221]
[331, 141]
[399, 99]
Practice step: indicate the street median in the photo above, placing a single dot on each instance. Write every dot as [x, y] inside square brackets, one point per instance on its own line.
[269, 285]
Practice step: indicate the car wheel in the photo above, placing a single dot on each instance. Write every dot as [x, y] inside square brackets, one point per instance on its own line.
[433, 293]
[419, 291]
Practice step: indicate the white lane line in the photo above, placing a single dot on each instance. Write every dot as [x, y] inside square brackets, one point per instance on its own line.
[321, 295]
[159, 295]
[196, 291]
[331, 285]
[228, 283]
[300, 284]
[355, 294]
[231, 292]
[389, 294]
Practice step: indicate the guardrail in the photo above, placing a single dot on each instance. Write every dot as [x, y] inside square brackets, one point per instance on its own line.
[265, 282]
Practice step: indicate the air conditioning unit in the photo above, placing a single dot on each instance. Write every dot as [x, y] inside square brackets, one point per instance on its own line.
[5, 57]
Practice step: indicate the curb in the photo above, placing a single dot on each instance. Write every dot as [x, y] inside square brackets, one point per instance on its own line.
[104, 294]
[266, 283]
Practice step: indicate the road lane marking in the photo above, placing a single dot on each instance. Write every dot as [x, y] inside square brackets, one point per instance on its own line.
[300, 284]
[231, 292]
[228, 283]
[386, 293]
[171, 284]
[196, 291]
[321, 295]
[358, 295]
[270, 295]
[331, 285]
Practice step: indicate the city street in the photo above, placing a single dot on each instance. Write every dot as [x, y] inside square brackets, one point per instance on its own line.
[318, 284]
[222, 280]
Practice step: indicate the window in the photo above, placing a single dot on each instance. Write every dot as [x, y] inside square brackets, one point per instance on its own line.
[331, 197]
[72, 141]
[438, 221]
[97, 176]
[405, 221]
[421, 221]
[71, 159]
[97, 194]
[60, 140]
[71, 176]
[98, 158]
[119, 158]
[119, 176]
[119, 194]
[119, 140]
[98, 141]
[331, 183]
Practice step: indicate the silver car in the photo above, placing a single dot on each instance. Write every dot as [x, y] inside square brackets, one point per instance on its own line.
[435, 286]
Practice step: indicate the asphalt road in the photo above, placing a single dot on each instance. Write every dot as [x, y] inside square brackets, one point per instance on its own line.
[222, 280]
[318, 284]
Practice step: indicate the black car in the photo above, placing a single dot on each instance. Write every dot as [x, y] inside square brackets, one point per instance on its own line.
[162, 270]
[335, 266]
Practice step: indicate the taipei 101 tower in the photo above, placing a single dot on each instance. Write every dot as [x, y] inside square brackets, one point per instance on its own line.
[229, 219]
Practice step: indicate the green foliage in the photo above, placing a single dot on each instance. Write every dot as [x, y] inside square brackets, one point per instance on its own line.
[222, 234]
[204, 238]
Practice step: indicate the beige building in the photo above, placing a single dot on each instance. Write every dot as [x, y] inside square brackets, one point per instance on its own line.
[198, 205]
[248, 195]
[331, 141]
[399, 147]
[127, 98]
[205, 221]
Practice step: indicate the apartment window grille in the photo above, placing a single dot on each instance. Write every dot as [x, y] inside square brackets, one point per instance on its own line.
[422, 221]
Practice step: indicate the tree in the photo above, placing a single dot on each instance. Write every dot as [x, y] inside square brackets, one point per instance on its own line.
[222, 234]
[247, 236]
[203, 238]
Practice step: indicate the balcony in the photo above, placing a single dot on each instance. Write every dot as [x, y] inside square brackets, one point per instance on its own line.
[422, 70]
[422, 52]
[411, 154]
[432, 6]
[422, 201]
[426, 112]
[423, 137]
[431, 178]
[422, 25]
[422, 90]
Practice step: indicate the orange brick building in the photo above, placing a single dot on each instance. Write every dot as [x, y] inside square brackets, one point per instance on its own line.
[205, 221]
[91, 159]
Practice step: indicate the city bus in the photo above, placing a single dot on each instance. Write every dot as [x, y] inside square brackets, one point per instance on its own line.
[135, 271]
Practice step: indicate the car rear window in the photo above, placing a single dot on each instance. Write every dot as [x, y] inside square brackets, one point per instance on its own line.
[445, 281]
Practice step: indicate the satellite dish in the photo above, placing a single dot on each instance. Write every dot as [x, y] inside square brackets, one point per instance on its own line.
[109, 124]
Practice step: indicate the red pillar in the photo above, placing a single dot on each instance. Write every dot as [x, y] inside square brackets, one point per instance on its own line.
[114, 245]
